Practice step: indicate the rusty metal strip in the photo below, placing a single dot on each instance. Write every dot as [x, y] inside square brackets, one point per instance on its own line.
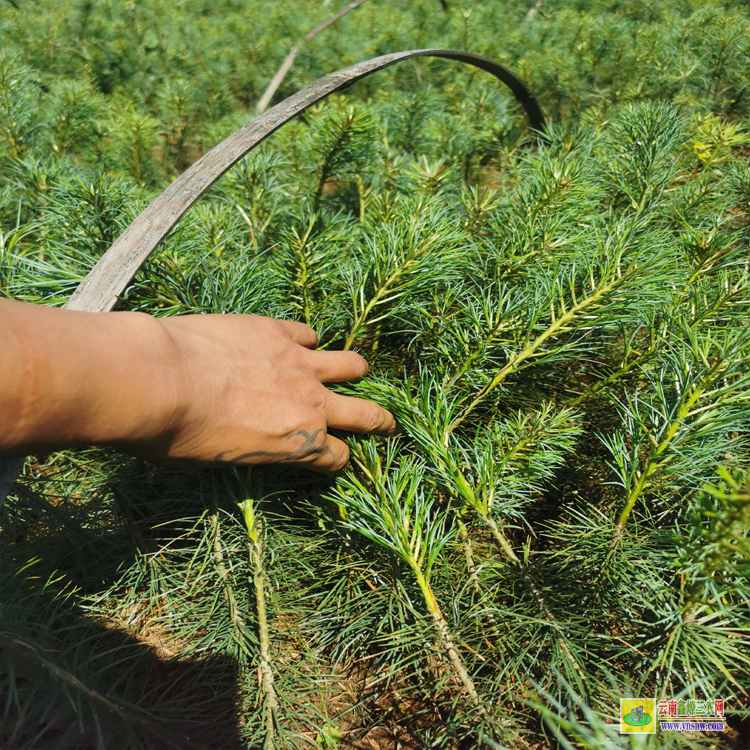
[107, 280]
[99, 291]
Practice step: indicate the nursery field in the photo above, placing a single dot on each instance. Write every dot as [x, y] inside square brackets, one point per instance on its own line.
[558, 320]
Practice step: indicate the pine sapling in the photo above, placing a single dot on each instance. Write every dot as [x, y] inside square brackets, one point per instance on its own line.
[388, 505]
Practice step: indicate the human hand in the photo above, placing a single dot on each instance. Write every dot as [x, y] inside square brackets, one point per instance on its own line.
[210, 389]
[252, 392]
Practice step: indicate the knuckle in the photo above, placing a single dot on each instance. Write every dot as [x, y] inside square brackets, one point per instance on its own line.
[341, 460]
[318, 439]
[310, 332]
[316, 398]
[372, 417]
[277, 328]
[359, 364]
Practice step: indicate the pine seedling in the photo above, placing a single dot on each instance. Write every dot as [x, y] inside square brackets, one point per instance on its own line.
[478, 204]
[178, 110]
[92, 215]
[428, 177]
[258, 189]
[73, 109]
[583, 294]
[705, 401]
[134, 139]
[474, 475]
[389, 506]
[306, 258]
[410, 254]
[642, 150]
[406, 115]
[31, 182]
[18, 121]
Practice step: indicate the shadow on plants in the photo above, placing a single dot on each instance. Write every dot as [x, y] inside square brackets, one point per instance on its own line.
[118, 691]
[67, 679]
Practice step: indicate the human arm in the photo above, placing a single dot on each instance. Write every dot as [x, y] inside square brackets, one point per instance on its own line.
[204, 388]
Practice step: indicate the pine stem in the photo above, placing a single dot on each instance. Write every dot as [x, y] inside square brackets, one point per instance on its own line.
[302, 280]
[467, 491]
[361, 194]
[266, 668]
[531, 587]
[471, 565]
[249, 223]
[376, 338]
[254, 529]
[360, 320]
[446, 641]
[614, 377]
[234, 613]
[325, 172]
[383, 291]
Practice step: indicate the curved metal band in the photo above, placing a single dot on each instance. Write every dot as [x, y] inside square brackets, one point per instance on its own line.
[107, 280]
[99, 291]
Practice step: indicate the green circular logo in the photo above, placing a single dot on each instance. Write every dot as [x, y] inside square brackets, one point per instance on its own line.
[646, 719]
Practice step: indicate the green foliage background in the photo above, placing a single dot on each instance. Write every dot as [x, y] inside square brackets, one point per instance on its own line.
[560, 327]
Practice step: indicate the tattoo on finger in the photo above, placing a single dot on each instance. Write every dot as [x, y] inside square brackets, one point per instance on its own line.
[303, 451]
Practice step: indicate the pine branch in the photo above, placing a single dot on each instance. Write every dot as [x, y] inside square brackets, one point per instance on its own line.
[343, 144]
[659, 450]
[658, 339]
[559, 325]
[507, 550]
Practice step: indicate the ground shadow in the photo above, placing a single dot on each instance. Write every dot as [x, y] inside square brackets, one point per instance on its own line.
[71, 680]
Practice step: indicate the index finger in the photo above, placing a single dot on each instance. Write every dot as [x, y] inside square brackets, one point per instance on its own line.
[300, 333]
